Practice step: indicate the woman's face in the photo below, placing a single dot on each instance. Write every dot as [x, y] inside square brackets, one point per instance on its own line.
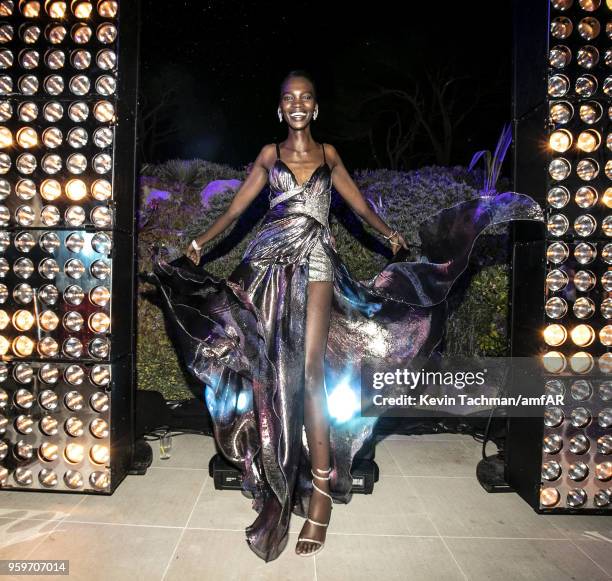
[297, 102]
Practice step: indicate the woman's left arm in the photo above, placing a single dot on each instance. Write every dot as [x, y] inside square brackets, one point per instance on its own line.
[347, 188]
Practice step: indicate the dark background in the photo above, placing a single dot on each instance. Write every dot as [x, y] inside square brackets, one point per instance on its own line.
[400, 85]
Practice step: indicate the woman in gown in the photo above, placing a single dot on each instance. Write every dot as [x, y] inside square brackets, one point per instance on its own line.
[278, 344]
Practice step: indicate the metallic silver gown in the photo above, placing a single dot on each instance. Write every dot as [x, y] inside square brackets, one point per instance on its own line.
[243, 337]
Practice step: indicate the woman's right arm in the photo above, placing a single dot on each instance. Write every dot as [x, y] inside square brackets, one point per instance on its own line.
[252, 185]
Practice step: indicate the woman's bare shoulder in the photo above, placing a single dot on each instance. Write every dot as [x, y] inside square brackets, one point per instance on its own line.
[332, 155]
[267, 155]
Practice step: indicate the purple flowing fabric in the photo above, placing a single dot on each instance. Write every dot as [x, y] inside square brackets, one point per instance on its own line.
[244, 337]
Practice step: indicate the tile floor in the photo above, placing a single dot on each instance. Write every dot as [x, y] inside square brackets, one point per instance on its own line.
[428, 519]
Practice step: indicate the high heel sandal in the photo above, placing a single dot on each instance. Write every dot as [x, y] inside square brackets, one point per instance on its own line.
[314, 522]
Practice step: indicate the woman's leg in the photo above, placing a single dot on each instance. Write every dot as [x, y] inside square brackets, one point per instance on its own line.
[316, 420]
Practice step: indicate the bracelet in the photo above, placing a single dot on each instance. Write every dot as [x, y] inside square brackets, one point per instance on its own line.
[195, 245]
[390, 235]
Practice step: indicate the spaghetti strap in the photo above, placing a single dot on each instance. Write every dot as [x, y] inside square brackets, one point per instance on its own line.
[323, 146]
[277, 151]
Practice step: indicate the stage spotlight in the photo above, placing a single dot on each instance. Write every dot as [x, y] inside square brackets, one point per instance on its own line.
[68, 77]
[560, 461]
[342, 402]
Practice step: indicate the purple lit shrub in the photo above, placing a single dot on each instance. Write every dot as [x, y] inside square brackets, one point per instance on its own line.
[218, 187]
[179, 199]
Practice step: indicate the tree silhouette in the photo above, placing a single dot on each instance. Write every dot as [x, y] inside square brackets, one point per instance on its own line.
[407, 119]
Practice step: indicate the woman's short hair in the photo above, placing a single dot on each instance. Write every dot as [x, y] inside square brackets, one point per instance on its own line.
[299, 73]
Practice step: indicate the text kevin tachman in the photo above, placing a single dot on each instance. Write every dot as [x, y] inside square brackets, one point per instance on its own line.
[464, 399]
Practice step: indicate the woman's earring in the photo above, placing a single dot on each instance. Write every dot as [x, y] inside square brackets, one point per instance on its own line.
[280, 115]
[316, 113]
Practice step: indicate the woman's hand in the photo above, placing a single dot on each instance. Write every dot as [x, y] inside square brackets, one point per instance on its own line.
[333, 241]
[397, 241]
[193, 254]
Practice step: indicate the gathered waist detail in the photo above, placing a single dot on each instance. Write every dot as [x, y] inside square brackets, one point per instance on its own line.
[302, 201]
[285, 196]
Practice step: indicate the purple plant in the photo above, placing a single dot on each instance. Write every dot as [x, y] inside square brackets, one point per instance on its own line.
[156, 195]
[376, 204]
[493, 163]
[218, 187]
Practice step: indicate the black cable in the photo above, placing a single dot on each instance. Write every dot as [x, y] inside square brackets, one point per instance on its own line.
[487, 431]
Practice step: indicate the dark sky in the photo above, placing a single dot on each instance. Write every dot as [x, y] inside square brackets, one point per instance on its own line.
[226, 59]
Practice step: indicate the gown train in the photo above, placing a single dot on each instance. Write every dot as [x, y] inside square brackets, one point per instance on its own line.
[243, 336]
